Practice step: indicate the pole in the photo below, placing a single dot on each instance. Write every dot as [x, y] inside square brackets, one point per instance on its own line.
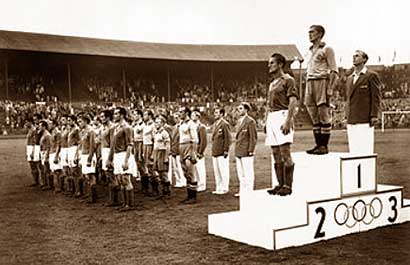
[124, 83]
[6, 76]
[300, 81]
[69, 83]
[212, 83]
[168, 83]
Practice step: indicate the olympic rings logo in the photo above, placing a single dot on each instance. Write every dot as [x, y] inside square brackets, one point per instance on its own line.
[360, 212]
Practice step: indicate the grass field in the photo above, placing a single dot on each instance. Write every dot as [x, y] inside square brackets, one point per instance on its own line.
[38, 227]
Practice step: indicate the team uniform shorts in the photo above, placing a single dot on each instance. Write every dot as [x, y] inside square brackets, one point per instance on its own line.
[316, 92]
[119, 162]
[274, 135]
[87, 169]
[71, 156]
[159, 161]
[55, 166]
[186, 151]
[147, 153]
[105, 153]
[138, 151]
[64, 156]
[29, 152]
[43, 157]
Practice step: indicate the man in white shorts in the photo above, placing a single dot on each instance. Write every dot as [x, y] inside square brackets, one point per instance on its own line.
[65, 129]
[282, 102]
[33, 151]
[124, 162]
[55, 160]
[45, 144]
[73, 140]
[88, 159]
[107, 133]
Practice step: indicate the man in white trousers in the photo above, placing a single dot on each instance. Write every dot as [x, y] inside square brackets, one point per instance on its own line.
[175, 167]
[363, 105]
[200, 170]
[246, 136]
[221, 139]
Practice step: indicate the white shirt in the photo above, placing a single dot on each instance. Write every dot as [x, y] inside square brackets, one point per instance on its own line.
[356, 76]
[188, 132]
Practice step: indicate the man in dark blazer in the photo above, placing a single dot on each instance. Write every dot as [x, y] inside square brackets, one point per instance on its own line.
[246, 136]
[363, 105]
[200, 169]
[221, 139]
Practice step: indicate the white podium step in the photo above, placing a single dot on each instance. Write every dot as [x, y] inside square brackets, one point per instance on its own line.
[333, 195]
[332, 175]
[293, 221]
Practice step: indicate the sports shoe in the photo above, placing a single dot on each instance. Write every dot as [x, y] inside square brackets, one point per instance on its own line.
[275, 190]
[311, 151]
[321, 150]
[284, 191]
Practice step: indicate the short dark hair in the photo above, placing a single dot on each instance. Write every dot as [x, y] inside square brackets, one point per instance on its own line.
[279, 58]
[44, 123]
[319, 28]
[107, 113]
[122, 111]
[139, 112]
[221, 110]
[85, 117]
[187, 111]
[150, 113]
[73, 118]
[246, 106]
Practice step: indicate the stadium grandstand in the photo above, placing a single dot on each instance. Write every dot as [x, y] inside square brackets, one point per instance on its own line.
[47, 73]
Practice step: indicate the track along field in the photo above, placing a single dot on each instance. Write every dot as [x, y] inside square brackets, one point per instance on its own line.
[38, 227]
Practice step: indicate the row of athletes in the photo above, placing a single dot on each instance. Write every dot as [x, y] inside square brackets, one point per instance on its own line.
[64, 154]
[156, 151]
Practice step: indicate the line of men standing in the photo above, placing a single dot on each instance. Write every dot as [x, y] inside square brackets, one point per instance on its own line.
[141, 146]
[64, 155]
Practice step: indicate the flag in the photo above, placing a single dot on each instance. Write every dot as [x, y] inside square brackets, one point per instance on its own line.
[394, 56]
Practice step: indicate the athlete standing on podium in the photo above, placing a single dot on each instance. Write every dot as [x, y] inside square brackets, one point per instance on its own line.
[321, 79]
[363, 105]
[282, 102]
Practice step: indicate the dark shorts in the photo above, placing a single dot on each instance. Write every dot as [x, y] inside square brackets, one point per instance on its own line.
[147, 151]
[186, 151]
[159, 161]
[316, 92]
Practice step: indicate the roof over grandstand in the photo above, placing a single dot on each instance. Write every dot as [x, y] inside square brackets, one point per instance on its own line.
[24, 41]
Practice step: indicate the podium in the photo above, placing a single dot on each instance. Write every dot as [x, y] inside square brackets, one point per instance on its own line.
[333, 195]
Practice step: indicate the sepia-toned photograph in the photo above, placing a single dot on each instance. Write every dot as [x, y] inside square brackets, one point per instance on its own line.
[204, 132]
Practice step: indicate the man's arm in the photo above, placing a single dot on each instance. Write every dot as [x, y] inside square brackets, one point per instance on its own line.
[253, 136]
[58, 143]
[92, 147]
[375, 88]
[227, 138]
[128, 142]
[333, 77]
[202, 141]
[288, 125]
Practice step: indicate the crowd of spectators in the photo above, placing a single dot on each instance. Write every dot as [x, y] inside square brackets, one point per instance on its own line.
[227, 91]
